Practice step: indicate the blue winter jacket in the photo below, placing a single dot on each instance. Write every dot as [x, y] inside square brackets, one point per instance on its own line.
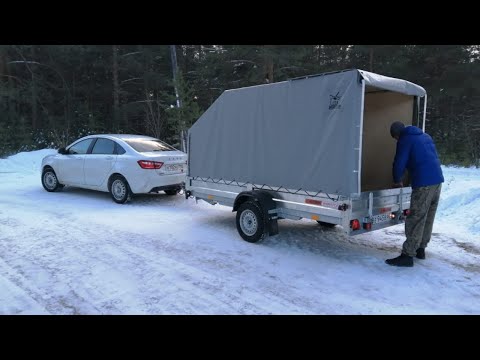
[416, 152]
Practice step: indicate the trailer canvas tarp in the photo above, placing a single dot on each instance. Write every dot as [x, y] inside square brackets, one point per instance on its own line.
[303, 133]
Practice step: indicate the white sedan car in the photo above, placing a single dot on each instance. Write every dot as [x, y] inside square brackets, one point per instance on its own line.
[120, 164]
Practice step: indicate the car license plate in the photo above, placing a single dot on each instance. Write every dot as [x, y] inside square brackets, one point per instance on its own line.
[380, 218]
[174, 167]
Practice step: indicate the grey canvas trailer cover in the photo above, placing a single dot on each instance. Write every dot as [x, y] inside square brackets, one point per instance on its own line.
[315, 147]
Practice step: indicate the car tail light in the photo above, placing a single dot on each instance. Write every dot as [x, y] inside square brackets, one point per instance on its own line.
[367, 226]
[406, 212]
[355, 224]
[146, 164]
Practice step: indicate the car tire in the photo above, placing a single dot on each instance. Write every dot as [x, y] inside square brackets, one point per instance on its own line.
[251, 222]
[120, 190]
[171, 191]
[325, 224]
[50, 180]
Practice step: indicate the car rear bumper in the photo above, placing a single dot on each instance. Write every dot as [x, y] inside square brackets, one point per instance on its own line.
[167, 187]
[155, 182]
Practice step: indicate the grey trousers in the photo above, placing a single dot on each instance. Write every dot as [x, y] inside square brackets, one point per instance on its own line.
[419, 223]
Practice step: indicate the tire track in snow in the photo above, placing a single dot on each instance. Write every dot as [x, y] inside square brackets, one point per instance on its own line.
[186, 279]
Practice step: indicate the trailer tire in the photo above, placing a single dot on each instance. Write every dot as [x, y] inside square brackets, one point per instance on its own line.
[325, 224]
[251, 222]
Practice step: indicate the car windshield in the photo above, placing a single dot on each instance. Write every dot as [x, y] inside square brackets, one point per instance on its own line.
[147, 145]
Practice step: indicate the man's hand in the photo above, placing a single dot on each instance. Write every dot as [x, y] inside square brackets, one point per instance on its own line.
[398, 185]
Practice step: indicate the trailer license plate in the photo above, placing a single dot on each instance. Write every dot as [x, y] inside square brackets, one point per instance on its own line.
[380, 218]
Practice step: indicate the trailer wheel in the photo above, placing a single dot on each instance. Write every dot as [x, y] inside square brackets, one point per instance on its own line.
[325, 224]
[251, 222]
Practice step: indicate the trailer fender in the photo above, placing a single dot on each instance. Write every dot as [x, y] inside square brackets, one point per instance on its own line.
[266, 203]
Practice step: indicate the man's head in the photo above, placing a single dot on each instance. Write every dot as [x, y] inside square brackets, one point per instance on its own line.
[396, 129]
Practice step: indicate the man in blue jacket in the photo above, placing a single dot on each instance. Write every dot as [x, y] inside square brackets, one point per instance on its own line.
[416, 152]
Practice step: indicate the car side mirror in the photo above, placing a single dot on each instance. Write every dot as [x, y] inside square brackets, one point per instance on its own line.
[62, 151]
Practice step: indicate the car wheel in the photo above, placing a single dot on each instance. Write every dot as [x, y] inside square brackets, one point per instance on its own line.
[171, 192]
[50, 181]
[325, 224]
[251, 222]
[120, 190]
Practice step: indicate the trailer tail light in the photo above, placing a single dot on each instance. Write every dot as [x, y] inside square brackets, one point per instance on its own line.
[406, 212]
[146, 164]
[313, 202]
[355, 224]
[367, 226]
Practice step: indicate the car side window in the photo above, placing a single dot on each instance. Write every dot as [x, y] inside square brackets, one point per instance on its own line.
[119, 150]
[104, 146]
[80, 147]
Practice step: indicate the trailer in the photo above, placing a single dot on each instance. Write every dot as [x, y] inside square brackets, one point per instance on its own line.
[315, 147]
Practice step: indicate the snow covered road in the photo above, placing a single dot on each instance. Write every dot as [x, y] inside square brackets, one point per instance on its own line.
[77, 252]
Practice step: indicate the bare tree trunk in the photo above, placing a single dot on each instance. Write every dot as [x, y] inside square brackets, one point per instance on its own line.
[34, 86]
[371, 59]
[173, 54]
[268, 64]
[10, 101]
[125, 120]
[34, 95]
[153, 119]
[3, 64]
[116, 90]
[6, 75]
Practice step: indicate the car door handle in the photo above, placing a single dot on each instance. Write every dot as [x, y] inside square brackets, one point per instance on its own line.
[109, 158]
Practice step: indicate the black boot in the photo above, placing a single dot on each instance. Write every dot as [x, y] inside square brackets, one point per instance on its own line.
[402, 260]
[420, 253]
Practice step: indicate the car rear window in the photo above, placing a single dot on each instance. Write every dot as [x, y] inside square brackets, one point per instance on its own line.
[147, 145]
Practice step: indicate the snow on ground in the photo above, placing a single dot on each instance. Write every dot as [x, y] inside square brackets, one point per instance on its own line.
[77, 252]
